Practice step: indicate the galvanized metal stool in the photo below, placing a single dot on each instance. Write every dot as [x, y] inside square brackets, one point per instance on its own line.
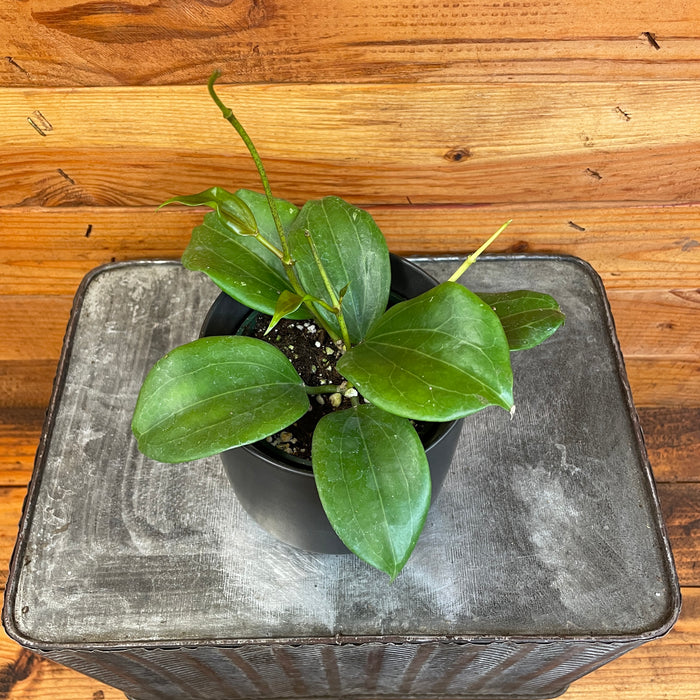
[543, 558]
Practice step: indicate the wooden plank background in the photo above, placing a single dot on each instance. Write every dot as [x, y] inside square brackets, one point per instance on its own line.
[577, 120]
[57, 43]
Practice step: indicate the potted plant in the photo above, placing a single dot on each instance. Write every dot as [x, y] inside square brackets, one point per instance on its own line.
[384, 369]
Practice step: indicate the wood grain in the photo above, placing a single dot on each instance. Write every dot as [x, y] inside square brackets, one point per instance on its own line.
[681, 507]
[657, 378]
[576, 119]
[32, 326]
[136, 43]
[645, 247]
[26, 383]
[657, 323]
[478, 143]
[20, 431]
[672, 437]
[11, 502]
[27, 676]
[664, 382]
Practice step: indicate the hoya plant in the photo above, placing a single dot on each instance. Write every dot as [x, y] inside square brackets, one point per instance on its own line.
[437, 357]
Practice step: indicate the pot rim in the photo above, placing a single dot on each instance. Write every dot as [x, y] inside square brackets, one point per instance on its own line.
[305, 467]
[284, 463]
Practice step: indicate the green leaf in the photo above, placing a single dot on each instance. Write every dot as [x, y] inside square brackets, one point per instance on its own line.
[213, 394]
[287, 304]
[353, 251]
[232, 210]
[240, 265]
[374, 482]
[528, 318]
[258, 204]
[437, 357]
[248, 273]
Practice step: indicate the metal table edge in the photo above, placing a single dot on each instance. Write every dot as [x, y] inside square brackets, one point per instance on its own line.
[9, 611]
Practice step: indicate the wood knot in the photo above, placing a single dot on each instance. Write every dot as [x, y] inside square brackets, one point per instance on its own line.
[687, 244]
[519, 247]
[18, 670]
[457, 154]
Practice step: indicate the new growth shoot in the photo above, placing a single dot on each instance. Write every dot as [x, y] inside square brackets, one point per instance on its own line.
[471, 259]
[284, 255]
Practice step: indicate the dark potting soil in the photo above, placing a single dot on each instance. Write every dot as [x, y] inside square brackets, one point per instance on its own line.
[313, 354]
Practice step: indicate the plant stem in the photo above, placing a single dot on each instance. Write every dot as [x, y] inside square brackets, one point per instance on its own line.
[285, 257]
[231, 118]
[472, 258]
[272, 248]
[329, 288]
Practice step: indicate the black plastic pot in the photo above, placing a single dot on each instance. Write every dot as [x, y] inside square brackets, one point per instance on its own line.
[279, 492]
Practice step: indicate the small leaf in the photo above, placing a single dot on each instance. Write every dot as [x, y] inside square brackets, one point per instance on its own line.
[343, 292]
[287, 304]
[528, 318]
[437, 357]
[232, 210]
[353, 251]
[213, 394]
[374, 482]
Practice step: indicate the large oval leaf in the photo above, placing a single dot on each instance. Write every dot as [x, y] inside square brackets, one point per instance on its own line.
[215, 393]
[240, 265]
[528, 318]
[258, 204]
[374, 482]
[354, 253]
[437, 357]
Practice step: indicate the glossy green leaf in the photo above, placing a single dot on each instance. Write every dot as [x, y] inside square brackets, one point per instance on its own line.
[374, 482]
[287, 304]
[232, 210]
[213, 394]
[528, 318]
[437, 357]
[240, 265]
[258, 204]
[354, 253]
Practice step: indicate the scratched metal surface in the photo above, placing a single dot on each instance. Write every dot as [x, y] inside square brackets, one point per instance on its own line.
[500, 670]
[547, 526]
